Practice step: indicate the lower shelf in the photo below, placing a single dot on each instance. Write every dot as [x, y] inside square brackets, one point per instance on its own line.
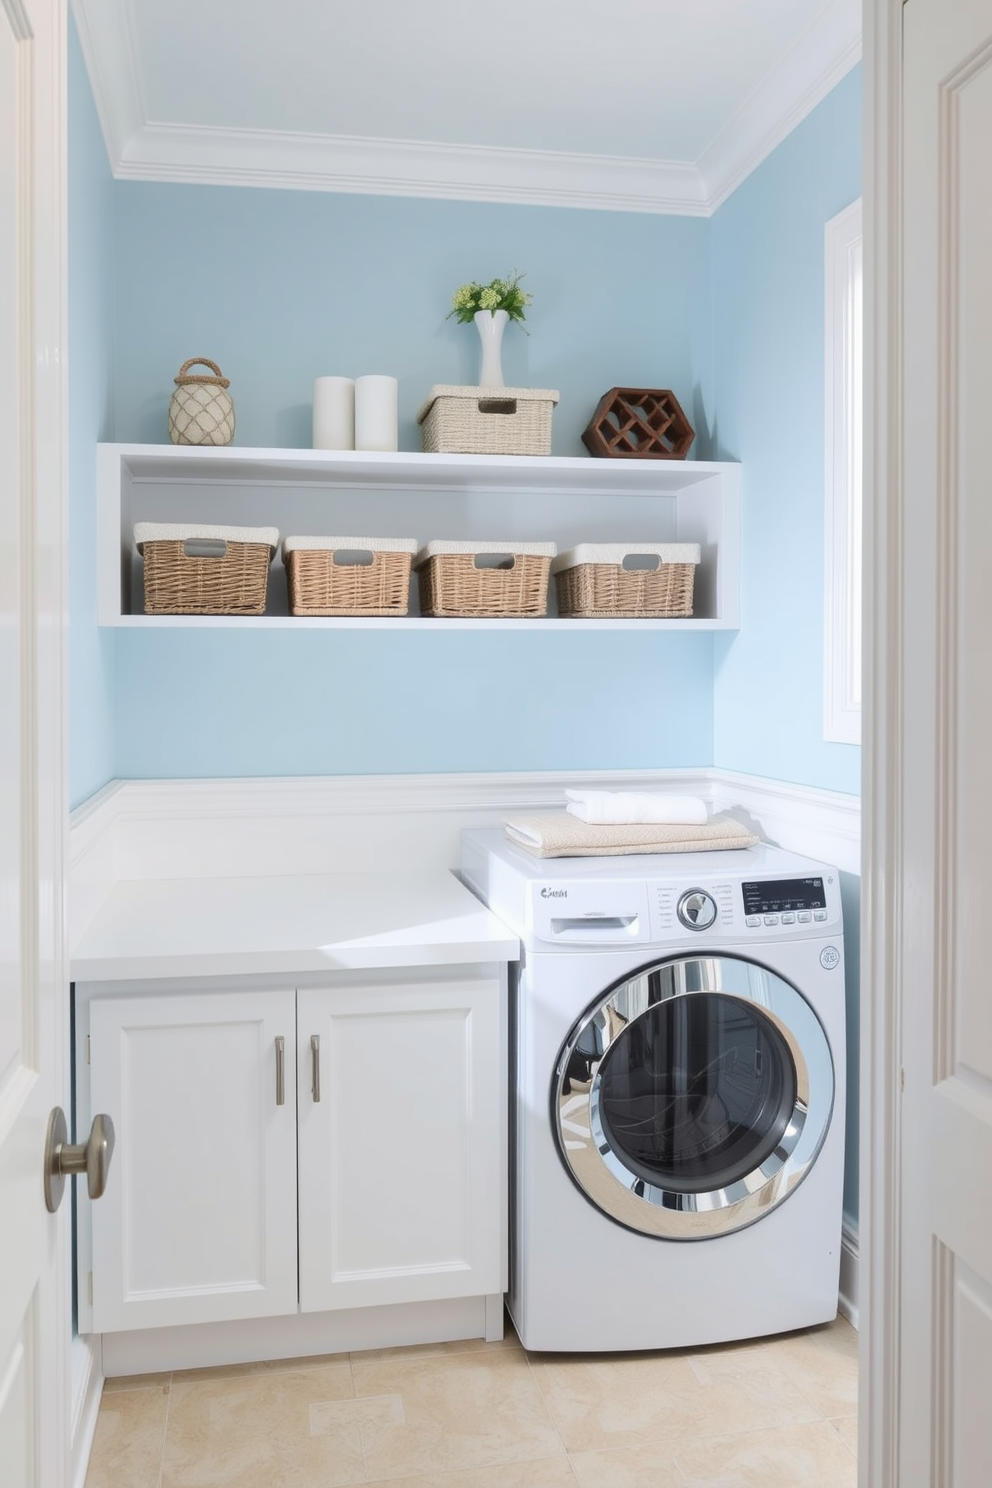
[403, 622]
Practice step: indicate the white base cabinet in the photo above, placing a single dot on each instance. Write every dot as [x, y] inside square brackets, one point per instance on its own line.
[196, 1224]
[400, 1156]
[364, 1165]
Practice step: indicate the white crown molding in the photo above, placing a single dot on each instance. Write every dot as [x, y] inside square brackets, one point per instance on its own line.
[145, 150]
[822, 56]
[110, 50]
[385, 167]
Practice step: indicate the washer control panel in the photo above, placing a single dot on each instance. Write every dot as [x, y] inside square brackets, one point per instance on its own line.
[755, 907]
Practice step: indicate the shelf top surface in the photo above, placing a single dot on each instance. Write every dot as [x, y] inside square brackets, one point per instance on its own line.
[150, 928]
[230, 463]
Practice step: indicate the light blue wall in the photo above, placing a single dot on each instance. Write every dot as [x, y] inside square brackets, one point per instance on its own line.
[282, 286]
[768, 317]
[355, 702]
[279, 287]
[92, 691]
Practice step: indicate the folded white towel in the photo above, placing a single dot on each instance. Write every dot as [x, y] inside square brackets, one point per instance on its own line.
[622, 808]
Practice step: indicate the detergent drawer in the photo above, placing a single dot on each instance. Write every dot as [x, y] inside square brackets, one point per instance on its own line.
[593, 912]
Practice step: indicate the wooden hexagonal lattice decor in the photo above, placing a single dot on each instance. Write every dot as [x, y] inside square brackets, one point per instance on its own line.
[646, 423]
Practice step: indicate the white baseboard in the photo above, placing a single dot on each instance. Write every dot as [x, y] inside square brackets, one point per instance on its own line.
[87, 1388]
[301, 1335]
[849, 1269]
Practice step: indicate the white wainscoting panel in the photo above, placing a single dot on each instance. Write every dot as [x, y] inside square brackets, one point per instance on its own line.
[849, 1274]
[134, 829]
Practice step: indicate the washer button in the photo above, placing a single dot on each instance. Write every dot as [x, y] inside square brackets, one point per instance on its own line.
[788, 919]
[819, 914]
[771, 919]
[804, 917]
[753, 920]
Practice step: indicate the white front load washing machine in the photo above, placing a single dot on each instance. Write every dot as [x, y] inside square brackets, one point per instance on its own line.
[677, 1100]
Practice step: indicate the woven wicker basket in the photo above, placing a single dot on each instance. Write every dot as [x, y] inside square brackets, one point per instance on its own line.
[487, 421]
[205, 570]
[332, 575]
[592, 583]
[458, 578]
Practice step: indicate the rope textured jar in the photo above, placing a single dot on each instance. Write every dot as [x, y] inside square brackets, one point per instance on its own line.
[201, 410]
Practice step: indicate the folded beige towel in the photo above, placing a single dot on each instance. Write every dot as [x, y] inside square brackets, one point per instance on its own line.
[564, 836]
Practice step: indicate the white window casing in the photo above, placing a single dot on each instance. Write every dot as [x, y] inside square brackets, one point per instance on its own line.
[842, 459]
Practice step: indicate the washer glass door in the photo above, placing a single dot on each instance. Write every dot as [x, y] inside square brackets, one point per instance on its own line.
[694, 1097]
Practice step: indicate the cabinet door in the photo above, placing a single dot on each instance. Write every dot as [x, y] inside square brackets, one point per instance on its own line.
[198, 1223]
[402, 1158]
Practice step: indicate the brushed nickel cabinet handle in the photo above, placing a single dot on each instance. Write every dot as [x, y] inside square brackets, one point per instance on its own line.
[280, 1071]
[91, 1157]
[315, 1060]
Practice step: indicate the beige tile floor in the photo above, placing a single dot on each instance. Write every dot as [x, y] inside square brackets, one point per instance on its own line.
[775, 1412]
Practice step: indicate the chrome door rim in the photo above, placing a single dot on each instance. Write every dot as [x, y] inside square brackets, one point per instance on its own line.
[622, 1194]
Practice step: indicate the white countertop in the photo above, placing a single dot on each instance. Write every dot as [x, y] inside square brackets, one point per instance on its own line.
[316, 922]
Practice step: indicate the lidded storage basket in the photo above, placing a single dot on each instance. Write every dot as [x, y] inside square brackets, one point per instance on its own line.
[348, 575]
[205, 570]
[493, 579]
[201, 410]
[487, 421]
[603, 581]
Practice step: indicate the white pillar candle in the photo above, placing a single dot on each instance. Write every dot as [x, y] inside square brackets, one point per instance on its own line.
[375, 413]
[333, 413]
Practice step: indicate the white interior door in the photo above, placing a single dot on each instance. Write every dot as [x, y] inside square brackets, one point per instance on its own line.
[34, 1310]
[930, 1193]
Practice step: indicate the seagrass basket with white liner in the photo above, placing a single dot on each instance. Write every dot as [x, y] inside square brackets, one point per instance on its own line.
[487, 421]
[497, 580]
[348, 575]
[626, 581]
[200, 569]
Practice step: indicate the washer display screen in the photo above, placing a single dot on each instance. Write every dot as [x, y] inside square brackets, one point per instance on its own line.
[773, 895]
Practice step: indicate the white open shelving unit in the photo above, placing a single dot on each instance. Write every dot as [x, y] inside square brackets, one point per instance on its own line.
[355, 493]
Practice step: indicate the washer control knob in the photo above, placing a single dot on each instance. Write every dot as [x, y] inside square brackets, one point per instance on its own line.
[697, 909]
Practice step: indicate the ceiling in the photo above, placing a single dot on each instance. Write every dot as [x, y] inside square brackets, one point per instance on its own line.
[645, 105]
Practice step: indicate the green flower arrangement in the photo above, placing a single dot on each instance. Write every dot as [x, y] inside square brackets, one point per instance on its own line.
[498, 294]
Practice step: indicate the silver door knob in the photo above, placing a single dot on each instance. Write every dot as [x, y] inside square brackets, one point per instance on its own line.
[62, 1158]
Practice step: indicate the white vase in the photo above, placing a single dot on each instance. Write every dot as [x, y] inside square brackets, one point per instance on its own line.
[490, 325]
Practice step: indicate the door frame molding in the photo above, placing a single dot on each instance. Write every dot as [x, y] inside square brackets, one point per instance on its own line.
[880, 1204]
